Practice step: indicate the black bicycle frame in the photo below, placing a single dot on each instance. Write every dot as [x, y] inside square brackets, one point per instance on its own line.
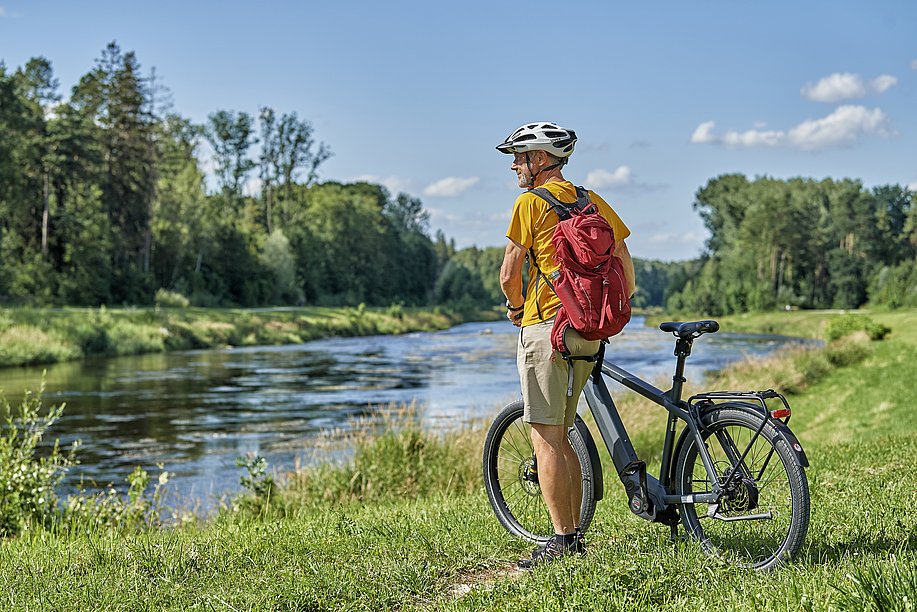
[615, 435]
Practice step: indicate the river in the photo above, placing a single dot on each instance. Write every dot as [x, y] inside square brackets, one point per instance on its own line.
[195, 412]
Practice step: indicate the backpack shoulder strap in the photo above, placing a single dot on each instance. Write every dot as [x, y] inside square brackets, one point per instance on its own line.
[582, 199]
[562, 210]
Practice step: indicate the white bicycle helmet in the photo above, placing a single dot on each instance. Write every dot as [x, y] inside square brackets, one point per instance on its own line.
[540, 136]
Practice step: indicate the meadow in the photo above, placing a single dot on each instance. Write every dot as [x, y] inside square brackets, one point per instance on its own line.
[404, 523]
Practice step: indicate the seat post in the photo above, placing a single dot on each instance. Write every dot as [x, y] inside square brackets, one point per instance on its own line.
[682, 351]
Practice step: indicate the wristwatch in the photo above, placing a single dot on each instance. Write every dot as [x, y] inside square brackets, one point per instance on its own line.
[510, 307]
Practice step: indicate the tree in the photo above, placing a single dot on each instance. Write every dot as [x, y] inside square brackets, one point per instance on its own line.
[230, 136]
[288, 147]
[116, 97]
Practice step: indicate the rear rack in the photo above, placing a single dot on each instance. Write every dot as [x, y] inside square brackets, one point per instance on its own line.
[759, 397]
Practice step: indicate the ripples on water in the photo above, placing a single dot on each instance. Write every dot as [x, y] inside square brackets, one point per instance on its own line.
[195, 412]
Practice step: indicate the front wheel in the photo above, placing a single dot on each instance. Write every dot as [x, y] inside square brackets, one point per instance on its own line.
[511, 477]
[763, 516]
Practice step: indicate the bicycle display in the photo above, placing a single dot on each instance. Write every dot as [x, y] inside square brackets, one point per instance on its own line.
[734, 477]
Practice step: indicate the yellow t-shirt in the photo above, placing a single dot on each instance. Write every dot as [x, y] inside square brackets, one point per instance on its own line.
[532, 226]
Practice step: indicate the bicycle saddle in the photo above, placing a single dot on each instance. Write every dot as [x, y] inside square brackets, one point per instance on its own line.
[690, 329]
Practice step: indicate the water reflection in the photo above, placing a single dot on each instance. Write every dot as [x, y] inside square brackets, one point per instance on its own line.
[195, 412]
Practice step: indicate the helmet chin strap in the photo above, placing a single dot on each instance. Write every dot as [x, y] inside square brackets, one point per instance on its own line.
[533, 175]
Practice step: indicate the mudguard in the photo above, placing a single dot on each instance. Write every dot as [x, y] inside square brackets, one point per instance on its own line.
[598, 484]
[782, 431]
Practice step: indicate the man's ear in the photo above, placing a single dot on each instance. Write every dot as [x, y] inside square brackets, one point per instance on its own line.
[541, 158]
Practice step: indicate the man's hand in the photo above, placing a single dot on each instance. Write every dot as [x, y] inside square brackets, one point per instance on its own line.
[515, 314]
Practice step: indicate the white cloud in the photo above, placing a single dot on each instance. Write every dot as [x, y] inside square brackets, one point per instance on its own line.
[838, 86]
[914, 65]
[680, 238]
[753, 138]
[3, 13]
[600, 178]
[843, 126]
[845, 86]
[663, 237]
[883, 83]
[395, 184]
[704, 133]
[913, 186]
[450, 186]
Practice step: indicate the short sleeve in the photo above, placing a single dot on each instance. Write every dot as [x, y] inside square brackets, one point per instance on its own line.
[520, 224]
[621, 231]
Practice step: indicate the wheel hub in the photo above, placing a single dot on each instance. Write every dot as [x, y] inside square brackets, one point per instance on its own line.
[528, 476]
[741, 496]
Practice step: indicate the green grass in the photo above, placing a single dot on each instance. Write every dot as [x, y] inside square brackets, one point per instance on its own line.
[31, 336]
[406, 524]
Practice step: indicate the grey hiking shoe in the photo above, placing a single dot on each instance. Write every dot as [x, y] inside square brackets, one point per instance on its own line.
[554, 549]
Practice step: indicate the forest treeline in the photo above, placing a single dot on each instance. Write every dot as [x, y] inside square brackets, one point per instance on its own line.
[799, 243]
[104, 200]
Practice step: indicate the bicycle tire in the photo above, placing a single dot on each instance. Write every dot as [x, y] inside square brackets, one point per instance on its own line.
[772, 483]
[518, 502]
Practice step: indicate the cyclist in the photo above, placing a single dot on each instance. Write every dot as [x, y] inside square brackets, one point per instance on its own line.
[540, 151]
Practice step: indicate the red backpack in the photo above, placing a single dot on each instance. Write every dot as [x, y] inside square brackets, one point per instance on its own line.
[590, 281]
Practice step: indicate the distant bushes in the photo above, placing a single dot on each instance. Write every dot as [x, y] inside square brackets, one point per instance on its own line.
[26, 344]
[795, 369]
[847, 324]
[170, 299]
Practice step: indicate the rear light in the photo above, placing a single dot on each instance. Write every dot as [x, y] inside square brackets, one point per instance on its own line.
[780, 414]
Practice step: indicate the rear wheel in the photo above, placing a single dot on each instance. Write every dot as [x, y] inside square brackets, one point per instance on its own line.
[512, 485]
[762, 519]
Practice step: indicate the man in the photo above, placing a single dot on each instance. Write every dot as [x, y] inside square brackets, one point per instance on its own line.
[540, 151]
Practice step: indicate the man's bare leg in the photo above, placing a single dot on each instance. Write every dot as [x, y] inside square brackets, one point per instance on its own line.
[560, 490]
[575, 473]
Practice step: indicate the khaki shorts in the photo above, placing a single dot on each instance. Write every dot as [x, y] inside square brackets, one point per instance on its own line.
[544, 375]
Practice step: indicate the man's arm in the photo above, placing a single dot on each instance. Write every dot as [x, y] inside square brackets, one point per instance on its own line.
[628, 263]
[511, 277]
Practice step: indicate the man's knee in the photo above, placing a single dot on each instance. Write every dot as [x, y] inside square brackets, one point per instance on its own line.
[554, 436]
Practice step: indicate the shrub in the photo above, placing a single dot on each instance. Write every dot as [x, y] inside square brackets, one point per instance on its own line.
[257, 483]
[25, 344]
[396, 311]
[847, 324]
[171, 299]
[27, 480]
[125, 338]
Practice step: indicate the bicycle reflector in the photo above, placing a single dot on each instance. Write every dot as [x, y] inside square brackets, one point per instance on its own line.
[780, 414]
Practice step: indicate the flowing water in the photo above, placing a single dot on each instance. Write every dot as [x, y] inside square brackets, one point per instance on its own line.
[195, 412]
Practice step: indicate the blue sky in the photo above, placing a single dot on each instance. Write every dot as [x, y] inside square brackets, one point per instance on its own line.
[415, 95]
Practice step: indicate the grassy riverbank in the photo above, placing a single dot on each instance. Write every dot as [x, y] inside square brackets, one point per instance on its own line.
[31, 336]
[406, 524]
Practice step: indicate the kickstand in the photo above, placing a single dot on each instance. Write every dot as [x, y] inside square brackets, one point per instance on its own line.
[674, 536]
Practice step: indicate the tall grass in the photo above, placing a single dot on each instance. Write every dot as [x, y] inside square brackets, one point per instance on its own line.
[395, 458]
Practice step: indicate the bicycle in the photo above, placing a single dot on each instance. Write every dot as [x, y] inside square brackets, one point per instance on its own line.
[718, 478]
